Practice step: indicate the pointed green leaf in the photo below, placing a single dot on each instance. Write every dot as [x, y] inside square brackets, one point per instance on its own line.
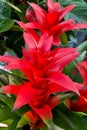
[67, 120]
[11, 5]
[23, 121]
[81, 57]
[5, 113]
[5, 24]
[82, 46]
[7, 100]
[13, 125]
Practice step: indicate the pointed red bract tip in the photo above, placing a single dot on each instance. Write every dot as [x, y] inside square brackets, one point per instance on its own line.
[11, 89]
[14, 109]
[53, 6]
[40, 12]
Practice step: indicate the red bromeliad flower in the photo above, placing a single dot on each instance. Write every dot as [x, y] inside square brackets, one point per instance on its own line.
[81, 103]
[43, 68]
[50, 22]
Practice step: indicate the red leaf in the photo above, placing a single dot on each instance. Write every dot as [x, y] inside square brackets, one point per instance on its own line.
[29, 29]
[25, 95]
[62, 27]
[54, 88]
[32, 25]
[79, 86]
[79, 105]
[18, 64]
[11, 89]
[80, 26]
[30, 41]
[65, 11]
[84, 63]
[53, 7]
[61, 59]
[45, 42]
[53, 101]
[40, 13]
[26, 54]
[52, 20]
[61, 52]
[62, 80]
[31, 117]
[56, 40]
[8, 59]
[30, 15]
[83, 72]
[45, 114]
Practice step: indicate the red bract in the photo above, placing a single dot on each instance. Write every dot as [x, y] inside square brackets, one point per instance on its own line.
[43, 68]
[51, 22]
[44, 112]
[81, 103]
[42, 65]
[30, 15]
[82, 67]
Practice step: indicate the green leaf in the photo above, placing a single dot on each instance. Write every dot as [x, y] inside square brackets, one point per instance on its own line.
[5, 113]
[49, 123]
[2, 128]
[23, 121]
[68, 69]
[9, 101]
[4, 72]
[3, 80]
[11, 5]
[67, 120]
[82, 46]
[57, 128]
[16, 28]
[72, 36]
[5, 14]
[81, 114]
[8, 121]
[19, 74]
[22, 7]
[13, 125]
[5, 11]
[79, 12]
[5, 24]
[81, 56]
[64, 39]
